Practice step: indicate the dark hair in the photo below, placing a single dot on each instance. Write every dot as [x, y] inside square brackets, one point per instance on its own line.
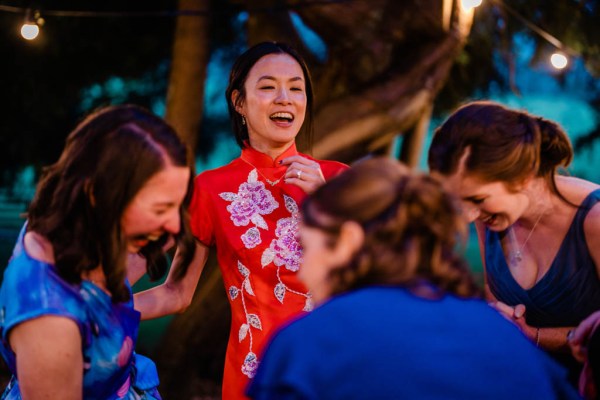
[411, 226]
[503, 145]
[80, 199]
[237, 79]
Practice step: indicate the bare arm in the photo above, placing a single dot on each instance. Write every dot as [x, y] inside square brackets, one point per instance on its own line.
[173, 296]
[49, 358]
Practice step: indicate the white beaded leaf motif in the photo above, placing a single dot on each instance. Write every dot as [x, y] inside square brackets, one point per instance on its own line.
[279, 292]
[248, 287]
[243, 270]
[254, 321]
[243, 332]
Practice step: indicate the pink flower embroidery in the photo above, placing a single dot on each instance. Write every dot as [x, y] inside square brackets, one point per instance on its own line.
[251, 202]
[285, 249]
[250, 365]
[251, 238]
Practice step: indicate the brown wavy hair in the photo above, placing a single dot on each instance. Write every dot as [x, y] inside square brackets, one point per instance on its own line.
[412, 228]
[81, 198]
[504, 145]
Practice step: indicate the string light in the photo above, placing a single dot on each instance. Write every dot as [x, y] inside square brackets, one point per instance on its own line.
[468, 4]
[31, 26]
[559, 58]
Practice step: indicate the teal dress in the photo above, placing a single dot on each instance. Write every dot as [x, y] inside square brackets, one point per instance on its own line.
[111, 370]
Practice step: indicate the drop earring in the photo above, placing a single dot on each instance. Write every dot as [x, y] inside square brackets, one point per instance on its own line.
[243, 120]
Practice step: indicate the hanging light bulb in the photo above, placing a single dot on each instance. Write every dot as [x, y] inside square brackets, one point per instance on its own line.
[31, 26]
[468, 4]
[559, 60]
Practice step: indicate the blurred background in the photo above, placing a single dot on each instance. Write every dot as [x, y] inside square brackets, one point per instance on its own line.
[386, 73]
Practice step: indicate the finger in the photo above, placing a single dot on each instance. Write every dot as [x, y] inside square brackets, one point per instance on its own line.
[307, 187]
[298, 172]
[299, 160]
[519, 311]
[585, 328]
[503, 308]
[579, 353]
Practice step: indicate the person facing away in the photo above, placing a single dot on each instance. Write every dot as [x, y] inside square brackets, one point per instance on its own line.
[396, 316]
[68, 328]
[538, 231]
[249, 208]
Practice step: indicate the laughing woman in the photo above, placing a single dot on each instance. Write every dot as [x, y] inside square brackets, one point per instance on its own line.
[539, 232]
[248, 209]
[120, 187]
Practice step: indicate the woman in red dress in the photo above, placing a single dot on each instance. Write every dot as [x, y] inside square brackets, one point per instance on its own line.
[249, 209]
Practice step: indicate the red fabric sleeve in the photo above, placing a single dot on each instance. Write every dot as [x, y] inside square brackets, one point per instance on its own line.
[201, 209]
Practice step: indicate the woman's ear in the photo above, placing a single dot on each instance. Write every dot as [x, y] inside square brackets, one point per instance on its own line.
[522, 185]
[350, 240]
[234, 100]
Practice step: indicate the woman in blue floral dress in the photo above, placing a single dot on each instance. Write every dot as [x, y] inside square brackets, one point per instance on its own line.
[67, 324]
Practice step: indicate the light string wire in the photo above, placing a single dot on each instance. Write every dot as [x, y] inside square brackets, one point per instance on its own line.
[541, 32]
[165, 13]
[551, 39]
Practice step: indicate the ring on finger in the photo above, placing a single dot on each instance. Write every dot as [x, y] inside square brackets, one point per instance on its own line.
[299, 174]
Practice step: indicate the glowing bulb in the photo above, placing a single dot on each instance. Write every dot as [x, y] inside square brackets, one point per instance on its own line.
[30, 31]
[468, 4]
[559, 60]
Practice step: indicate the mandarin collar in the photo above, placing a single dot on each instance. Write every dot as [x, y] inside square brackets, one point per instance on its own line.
[262, 160]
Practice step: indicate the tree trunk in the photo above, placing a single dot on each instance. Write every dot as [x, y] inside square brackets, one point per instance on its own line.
[185, 97]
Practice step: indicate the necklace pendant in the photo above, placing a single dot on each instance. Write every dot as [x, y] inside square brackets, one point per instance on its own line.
[515, 257]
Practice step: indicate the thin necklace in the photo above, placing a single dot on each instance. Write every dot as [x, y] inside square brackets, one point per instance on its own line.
[516, 256]
[270, 182]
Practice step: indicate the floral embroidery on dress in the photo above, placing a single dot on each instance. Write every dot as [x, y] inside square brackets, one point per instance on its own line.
[285, 250]
[252, 320]
[248, 205]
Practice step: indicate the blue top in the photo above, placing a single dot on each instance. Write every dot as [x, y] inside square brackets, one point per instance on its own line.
[32, 288]
[387, 343]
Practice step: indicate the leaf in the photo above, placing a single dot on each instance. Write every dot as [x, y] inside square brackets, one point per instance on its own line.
[309, 305]
[267, 257]
[229, 196]
[243, 332]
[280, 292]
[259, 221]
[233, 292]
[243, 270]
[254, 321]
[253, 176]
[291, 205]
[248, 287]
